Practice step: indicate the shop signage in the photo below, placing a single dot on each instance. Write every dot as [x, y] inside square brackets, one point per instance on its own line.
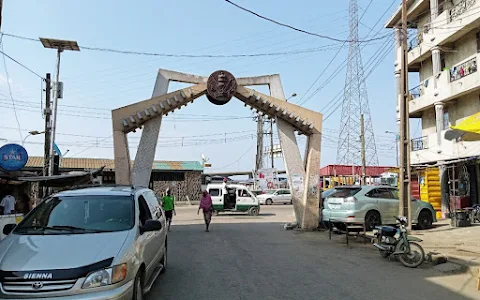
[13, 157]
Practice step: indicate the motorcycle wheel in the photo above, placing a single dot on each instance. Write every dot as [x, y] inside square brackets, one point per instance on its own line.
[413, 259]
[384, 254]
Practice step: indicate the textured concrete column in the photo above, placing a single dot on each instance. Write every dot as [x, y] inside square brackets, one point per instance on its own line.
[433, 10]
[142, 168]
[122, 158]
[291, 153]
[436, 61]
[439, 124]
[312, 193]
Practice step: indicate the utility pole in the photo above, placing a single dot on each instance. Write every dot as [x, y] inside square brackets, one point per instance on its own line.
[362, 141]
[60, 46]
[53, 129]
[259, 157]
[271, 143]
[405, 203]
[1, 13]
[47, 112]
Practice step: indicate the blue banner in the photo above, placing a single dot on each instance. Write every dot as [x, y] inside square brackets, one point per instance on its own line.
[13, 157]
[57, 150]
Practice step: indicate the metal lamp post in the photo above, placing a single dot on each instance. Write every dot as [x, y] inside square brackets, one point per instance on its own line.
[33, 132]
[60, 45]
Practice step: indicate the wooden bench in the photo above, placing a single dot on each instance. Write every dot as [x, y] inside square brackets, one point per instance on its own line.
[358, 227]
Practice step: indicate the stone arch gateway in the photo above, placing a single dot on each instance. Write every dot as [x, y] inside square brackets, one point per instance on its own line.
[303, 175]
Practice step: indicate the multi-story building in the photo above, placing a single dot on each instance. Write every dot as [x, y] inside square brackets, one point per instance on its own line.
[444, 50]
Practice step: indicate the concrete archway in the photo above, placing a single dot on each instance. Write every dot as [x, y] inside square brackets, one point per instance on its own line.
[303, 176]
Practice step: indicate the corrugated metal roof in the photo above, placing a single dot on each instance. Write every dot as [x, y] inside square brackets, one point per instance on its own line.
[95, 163]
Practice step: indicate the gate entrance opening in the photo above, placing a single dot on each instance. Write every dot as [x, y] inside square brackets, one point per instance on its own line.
[220, 87]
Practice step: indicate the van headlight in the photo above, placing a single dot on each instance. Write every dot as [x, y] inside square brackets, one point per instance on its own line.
[105, 277]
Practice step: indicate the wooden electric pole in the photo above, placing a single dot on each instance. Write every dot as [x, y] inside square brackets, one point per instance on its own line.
[405, 204]
[362, 141]
[1, 13]
[47, 112]
[271, 143]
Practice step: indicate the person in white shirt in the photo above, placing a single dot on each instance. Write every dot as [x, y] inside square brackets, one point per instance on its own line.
[8, 205]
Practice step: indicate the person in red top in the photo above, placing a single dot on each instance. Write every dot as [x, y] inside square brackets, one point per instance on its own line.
[206, 206]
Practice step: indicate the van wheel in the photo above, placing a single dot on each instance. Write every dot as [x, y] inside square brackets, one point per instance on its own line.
[253, 211]
[138, 287]
[164, 260]
[268, 202]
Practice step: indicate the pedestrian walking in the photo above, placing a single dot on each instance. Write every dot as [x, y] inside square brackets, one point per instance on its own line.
[206, 206]
[169, 207]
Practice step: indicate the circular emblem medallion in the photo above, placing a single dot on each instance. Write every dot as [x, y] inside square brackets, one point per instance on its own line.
[221, 87]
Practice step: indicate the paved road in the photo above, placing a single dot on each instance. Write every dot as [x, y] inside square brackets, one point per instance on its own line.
[254, 258]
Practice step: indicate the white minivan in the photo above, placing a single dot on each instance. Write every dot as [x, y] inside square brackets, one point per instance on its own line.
[233, 198]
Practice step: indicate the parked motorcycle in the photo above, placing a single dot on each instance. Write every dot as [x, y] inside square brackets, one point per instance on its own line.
[395, 241]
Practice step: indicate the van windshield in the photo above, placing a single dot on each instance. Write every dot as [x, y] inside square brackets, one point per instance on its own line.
[80, 214]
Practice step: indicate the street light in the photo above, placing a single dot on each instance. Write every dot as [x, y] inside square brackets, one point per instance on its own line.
[33, 132]
[397, 138]
[292, 96]
[60, 45]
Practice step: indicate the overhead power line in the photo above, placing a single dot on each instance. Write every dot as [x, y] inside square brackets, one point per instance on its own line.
[20, 64]
[301, 30]
[240, 55]
[10, 89]
[344, 63]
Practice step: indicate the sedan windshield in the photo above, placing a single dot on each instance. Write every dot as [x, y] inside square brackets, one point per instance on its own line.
[80, 214]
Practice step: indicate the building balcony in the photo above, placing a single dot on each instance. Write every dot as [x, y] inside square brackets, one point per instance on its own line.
[447, 28]
[426, 149]
[447, 85]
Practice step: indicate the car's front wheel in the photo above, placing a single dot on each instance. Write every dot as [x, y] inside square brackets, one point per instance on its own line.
[138, 287]
[268, 202]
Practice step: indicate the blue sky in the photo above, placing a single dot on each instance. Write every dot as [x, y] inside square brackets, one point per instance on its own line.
[96, 82]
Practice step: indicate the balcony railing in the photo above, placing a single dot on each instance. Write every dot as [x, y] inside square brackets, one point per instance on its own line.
[464, 69]
[415, 92]
[460, 9]
[420, 143]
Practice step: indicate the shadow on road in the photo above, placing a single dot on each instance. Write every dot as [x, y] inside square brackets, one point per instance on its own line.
[263, 261]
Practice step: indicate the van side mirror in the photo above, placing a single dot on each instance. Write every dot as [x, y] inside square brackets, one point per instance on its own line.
[151, 225]
[8, 228]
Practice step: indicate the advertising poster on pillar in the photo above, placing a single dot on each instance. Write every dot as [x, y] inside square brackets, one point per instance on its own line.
[266, 179]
